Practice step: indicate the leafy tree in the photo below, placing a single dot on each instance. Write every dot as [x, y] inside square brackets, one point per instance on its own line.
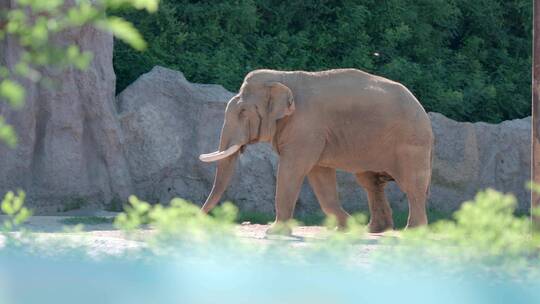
[467, 60]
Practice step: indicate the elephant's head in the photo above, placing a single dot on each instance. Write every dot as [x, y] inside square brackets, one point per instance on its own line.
[250, 117]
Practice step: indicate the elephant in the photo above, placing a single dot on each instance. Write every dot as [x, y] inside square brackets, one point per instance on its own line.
[319, 122]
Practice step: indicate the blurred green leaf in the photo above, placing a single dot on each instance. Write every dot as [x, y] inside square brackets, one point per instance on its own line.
[13, 92]
[13, 206]
[81, 60]
[41, 5]
[149, 5]
[81, 14]
[4, 72]
[22, 216]
[7, 208]
[533, 186]
[124, 31]
[7, 134]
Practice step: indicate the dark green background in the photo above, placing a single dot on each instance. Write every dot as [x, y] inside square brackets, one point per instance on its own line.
[469, 60]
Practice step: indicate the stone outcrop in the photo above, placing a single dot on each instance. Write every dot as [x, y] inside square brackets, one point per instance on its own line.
[474, 156]
[69, 153]
[167, 122]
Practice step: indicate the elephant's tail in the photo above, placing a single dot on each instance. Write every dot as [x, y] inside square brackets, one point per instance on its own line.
[428, 190]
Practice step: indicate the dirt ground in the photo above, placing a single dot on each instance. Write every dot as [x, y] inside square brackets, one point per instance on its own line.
[103, 239]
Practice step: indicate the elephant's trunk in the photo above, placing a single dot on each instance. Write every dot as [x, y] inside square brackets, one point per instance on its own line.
[233, 138]
[224, 172]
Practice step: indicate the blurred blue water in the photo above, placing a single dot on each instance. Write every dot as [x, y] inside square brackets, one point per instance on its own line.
[30, 279]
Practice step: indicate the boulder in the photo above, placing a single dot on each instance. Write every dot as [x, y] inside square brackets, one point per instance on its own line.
[168, 121]
[69, 153]
[474, 156]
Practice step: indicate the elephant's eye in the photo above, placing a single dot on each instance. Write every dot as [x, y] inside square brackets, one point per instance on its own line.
[243, 113]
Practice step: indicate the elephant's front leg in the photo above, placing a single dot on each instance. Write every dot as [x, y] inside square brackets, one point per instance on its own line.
[290, 175]
[323, 182]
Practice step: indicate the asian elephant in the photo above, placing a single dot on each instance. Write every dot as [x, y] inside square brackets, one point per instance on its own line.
[318, 122]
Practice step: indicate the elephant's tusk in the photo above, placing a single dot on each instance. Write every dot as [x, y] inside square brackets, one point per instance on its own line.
[210, 154]
[210, 157]
[213, 153]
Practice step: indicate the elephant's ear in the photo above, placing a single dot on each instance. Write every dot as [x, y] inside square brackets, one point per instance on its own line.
[280, 102]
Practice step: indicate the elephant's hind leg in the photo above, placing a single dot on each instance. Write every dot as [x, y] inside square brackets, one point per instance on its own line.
[323, 182]
[379, 208]
[413, 179]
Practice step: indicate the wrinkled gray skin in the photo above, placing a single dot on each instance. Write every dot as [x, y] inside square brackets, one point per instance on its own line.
[322, 121]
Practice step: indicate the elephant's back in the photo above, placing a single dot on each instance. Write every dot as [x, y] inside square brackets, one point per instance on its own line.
[355, 95]
[367, 119]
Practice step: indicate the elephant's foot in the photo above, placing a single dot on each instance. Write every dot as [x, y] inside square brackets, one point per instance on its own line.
[279, 228]
[342, 228]
[413, 223]
[380, 225]
[342, 222]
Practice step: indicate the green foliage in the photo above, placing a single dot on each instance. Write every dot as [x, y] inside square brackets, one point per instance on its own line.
[484, 239]
[401, 217]
[74, 203]
[318, 219]
[124, 31]
[484, 236]
[135, 215]
[338, 241]
[7, 134]
[33, 24]
[180, 222]
[255, 217]
[468, 60]
[114, 205]
[12, 206]
[13, 92]
[87, 220]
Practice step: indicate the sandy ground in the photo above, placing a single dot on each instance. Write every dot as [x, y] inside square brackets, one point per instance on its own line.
[103, 238]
